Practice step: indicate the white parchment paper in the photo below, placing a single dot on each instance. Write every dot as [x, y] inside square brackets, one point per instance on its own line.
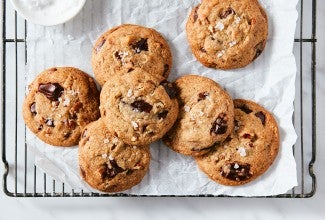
[269, 81]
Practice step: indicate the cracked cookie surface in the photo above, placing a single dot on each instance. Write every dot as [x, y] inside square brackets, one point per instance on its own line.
[206, 116]
[248, 152]
[108, 164]
[60, 103]
[140, 108]
[127, 47]
[227, 34]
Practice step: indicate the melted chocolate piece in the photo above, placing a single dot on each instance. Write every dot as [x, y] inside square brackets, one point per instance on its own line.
[49, 123]
[107, 172]
[166, 68]
[141, 45]
[163, 114]
[170, 88]
[245, 109]
[236, 171]
[33, 109]
[220, 125]
[52, 91]
[82, 172]
[195, 15]
[258, 49]
[202, 96]
[100, 45]
[117, 55]
[261, 116]
[141, 106]
[226, 13]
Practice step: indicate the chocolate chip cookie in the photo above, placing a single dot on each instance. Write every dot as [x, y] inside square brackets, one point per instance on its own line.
[60, 103]
[140, 108]
[127, 47]
[248, 152]
[206, 116]
[227, 34]
[106, 163]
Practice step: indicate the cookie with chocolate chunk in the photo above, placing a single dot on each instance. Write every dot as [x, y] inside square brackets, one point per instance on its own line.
[108, 164]
[60, 103]
[248, 152]
[139, 107]
[206, 116]
[227, 34]
[126, 47]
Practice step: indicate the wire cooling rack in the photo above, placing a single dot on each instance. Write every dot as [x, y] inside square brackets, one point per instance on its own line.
[22, 178]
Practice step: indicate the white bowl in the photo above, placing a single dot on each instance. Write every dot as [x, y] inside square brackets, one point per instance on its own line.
[48, 12]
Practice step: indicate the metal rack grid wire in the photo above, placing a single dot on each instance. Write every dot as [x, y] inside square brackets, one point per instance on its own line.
[22, 178]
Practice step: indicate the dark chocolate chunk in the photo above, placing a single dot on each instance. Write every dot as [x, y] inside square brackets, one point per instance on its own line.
[259, 49]
[245, 109]
[52, 91]
[166, 68]
[170, 88]
[141, 45]
[33, 109]
[202, 96]
[261, 116]
[49, 122]
[40, 127]
[226, 13]
[111, 171]
[130, 70]
[236, 171]
[163, 114]
[100, 45]
[220, 125]
[195, 15]
[69, 123]
[82, 172]
[117, 55]
[141, 106]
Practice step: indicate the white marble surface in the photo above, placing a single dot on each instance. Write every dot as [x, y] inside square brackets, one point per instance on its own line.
[188, 208]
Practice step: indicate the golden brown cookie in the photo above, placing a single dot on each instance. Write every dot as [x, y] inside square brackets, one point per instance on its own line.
[227, 34]
[140, 108]
[206, 116]
[60, 103]
[248, 152]
[106, 163]
[127, 47]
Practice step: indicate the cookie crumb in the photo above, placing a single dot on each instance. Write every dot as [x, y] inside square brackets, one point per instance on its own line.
[134, 147]
[111, 157]
[187, 108]
[104, 156]
[133, 139]
[242, 151]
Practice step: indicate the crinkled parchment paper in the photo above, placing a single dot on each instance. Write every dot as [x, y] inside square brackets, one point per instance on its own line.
[269, 81]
